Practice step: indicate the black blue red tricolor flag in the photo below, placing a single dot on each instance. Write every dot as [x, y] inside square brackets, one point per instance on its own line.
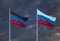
[17, 19]
[45, 19]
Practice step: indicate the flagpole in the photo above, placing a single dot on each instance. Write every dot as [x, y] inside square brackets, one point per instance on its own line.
[37, 28]
[9, 27]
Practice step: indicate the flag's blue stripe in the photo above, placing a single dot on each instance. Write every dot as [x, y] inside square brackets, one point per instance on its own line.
[13, 17]
[45, 19]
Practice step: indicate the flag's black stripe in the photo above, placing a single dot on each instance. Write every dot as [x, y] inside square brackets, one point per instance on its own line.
[24, 18]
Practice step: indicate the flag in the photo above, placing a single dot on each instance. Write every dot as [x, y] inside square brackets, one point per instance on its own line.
[17, 19]
[45, 19]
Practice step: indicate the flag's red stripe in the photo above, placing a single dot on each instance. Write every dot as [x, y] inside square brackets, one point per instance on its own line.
[45, 23]
[17, 23]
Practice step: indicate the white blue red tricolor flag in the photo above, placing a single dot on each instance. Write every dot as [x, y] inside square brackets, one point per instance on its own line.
[45, 19]
[17, 19]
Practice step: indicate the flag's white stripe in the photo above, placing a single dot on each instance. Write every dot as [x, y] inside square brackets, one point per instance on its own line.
[49, 17]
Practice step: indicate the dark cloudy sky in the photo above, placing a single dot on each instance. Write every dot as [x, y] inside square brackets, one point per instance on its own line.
[28, 8]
